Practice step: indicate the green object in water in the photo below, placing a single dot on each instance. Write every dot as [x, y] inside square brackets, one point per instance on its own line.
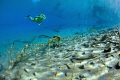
[38, 19]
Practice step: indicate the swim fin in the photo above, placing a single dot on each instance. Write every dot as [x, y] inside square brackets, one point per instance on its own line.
[27, 16]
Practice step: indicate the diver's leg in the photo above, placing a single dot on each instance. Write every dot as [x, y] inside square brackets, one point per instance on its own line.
[32, 19]
[29, 17]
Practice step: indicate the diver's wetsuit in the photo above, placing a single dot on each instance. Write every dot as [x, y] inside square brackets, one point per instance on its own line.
[37, 19]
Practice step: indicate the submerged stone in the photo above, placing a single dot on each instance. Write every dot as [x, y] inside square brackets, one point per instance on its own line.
[117, 66]
[107, 50]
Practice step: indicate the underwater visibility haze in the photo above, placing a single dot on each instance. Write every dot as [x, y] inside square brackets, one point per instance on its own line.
[39, 37]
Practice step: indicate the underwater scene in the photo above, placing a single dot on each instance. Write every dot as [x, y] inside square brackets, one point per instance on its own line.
[59, 39]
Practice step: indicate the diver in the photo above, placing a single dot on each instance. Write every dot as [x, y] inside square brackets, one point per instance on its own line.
[37, 19]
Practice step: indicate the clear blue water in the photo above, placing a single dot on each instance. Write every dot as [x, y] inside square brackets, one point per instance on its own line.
[63, 17]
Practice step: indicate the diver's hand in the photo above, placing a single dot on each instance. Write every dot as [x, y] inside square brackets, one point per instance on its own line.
[39, 23]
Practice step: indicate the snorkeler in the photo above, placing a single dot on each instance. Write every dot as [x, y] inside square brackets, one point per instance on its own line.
[37, 19]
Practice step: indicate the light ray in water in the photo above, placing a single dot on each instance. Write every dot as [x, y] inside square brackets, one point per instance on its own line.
[34, 1]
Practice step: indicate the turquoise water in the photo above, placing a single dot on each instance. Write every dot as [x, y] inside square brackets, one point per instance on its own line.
[63, 17]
